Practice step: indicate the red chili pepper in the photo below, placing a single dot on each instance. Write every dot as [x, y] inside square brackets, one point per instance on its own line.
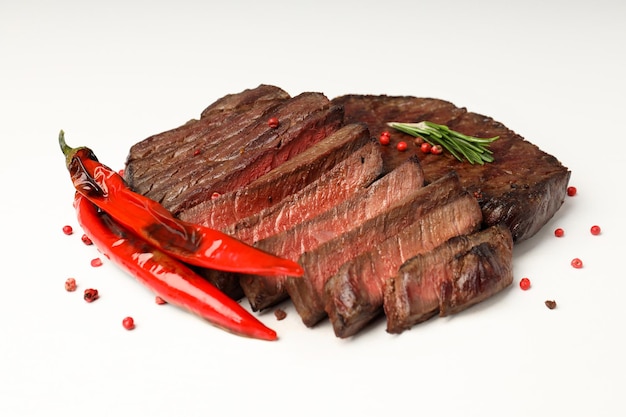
[191, 243]
[168, 278]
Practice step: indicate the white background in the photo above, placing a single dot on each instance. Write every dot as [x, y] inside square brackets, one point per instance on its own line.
[113, 73]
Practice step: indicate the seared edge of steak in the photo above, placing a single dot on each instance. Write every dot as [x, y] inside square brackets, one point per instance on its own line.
[454, 276]
[242, 101]
[354, 295]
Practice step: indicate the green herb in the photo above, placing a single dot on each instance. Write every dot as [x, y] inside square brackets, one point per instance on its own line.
[475, 150]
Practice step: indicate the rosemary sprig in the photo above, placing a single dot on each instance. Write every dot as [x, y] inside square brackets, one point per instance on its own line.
[475, 150]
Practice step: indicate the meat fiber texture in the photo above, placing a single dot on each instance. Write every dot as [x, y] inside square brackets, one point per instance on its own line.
[342, 182]
[339, 219]
[234, 210]
[456, 275]
[354, 295]
[523, 188]
[185, 167]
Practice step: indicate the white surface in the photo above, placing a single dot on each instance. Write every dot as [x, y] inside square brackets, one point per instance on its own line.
[115, 73]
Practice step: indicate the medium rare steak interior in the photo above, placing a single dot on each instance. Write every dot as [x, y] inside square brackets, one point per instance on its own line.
[310, 189]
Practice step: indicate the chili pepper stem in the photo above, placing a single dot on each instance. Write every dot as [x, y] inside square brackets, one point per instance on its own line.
[67, 150]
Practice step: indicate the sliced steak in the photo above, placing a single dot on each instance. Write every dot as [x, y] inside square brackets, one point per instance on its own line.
[523, 188]
[202, 165]
[347, 178]
[354, 295]
[321, 263]
[456, 275]
[343, 216]
[344, 180]
[151, 161]
[284, 181]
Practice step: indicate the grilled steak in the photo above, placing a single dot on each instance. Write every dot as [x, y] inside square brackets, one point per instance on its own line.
[347, 178]
[342, 217]
[354, 295]
[456, 275]
[153, 164]
[199, 167]
[320, 264]
[284, 181]
[523, 188]
[306, 190]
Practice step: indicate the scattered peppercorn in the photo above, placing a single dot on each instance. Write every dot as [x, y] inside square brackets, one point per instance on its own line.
[524, 284]
[215, 195]
[401, 146]
[68, 230]
[559, 232]
[96, 262]
[70, 284]
[436, 150]
[571, 191]
[128, 323]
[86, 240]
[577, 263]
[159, 300]
[551, 304]
[425, 147]
[384, 138]
[196, 152]
[595, 230]
[91, 295]
[273, 122]
[280, 314]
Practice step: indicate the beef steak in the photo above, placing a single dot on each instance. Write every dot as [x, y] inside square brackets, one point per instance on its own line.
[232, 154]
[341, 217]
[320, 264]
[354, 295]
[234, 209]
[461, 272]
[523, 188]
[346, 179]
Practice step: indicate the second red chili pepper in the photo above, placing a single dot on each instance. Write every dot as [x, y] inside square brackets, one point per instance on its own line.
[168, 278]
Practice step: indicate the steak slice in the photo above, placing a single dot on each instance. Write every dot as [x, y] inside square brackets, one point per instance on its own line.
[354, 295]
[321, 263]
[202, 165]
[346, 179]
[462, 272]
[287, 179]
[523, 188]
[343, 216]
[151, 161]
